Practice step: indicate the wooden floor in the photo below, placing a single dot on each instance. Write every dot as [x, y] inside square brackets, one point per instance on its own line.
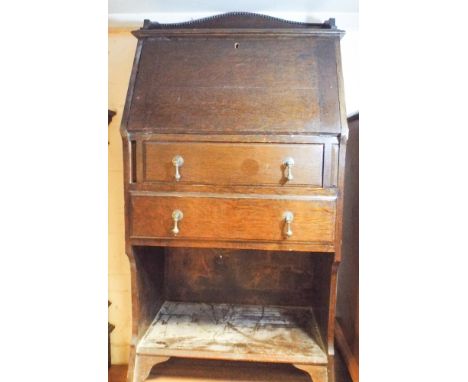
[186, 370]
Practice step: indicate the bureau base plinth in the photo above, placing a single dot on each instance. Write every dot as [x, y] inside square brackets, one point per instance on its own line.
[234, 332]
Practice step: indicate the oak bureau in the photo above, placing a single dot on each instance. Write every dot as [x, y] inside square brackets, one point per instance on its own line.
[234, 135]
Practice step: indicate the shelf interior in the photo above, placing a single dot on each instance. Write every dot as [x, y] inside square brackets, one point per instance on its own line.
[234, 332]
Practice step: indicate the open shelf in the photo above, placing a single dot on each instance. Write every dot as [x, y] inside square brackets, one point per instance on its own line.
[234, 332]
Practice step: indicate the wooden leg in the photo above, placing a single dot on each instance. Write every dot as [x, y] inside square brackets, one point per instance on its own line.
[131, 364]
[143, 366]
[345, 349]
[316, 372]
[331, 369]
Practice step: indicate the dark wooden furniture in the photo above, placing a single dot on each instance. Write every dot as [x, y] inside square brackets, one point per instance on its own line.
[110, 115]
[347, 312]
[234, 135]
[110, 328]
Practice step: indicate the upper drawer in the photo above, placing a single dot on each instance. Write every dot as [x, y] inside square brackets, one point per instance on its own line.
[233, 163]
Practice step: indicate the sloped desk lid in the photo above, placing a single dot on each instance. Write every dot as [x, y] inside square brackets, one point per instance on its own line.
[235, 73]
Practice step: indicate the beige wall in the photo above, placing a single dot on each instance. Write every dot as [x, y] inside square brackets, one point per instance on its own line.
[121, 51]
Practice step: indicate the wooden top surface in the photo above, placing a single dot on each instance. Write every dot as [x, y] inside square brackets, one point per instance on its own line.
[234, 332]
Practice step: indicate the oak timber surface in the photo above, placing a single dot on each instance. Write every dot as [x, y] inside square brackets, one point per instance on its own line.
[237, 84]
[229, 163]
[234, 332]
[262, 87]
[252, 277]
[231, 218]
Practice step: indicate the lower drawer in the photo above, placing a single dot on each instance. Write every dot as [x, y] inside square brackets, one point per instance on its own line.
[232, 218]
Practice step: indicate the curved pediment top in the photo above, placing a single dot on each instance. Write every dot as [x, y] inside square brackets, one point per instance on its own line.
[239, 20]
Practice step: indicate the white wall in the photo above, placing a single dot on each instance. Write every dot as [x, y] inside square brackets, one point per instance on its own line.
[221, 6]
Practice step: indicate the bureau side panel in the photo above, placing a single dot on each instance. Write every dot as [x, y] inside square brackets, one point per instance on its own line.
[348, 276]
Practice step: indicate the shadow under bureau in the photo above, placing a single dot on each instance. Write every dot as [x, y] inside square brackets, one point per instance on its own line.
[234, 135]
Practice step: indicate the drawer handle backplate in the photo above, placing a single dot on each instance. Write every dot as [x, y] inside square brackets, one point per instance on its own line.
[177, 161]
[288, 218]
[177, 216]
[289, 163]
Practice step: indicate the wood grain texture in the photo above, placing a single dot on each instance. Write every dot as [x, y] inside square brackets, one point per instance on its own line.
[322, 291]
[232, 218]
[339, 212]
[260, 190]
[348, 282]
[239, 20]
[261, 137]
[196, 370]
[242, 276]
[317, 373]
[330, 165]
[350, 359]
[234, 332]
[233, 164]
[149, 293]
[235, 244]
[236, 93]
[143, 366]
[208, 85]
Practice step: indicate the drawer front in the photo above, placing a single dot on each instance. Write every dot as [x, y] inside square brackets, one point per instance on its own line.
[240, 218]
[233, 164]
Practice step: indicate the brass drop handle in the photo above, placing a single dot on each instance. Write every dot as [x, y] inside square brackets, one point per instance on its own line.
[289, 163]
[177, 216]
[177, 161]
[288, 218]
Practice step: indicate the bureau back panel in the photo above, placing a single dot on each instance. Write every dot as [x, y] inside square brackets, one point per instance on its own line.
[241, 276]
[236, 84]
